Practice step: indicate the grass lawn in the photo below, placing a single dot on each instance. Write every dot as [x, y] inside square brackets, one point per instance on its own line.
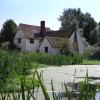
[91, 62]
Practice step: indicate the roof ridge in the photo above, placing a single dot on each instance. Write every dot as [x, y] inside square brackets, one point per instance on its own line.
[55, 37]
[28, 25]
[32, 25]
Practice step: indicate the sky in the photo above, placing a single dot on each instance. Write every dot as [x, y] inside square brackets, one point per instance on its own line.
[34, 11]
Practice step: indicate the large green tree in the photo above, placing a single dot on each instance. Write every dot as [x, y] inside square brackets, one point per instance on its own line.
[98, 33]
[86, 22]
[8, 31]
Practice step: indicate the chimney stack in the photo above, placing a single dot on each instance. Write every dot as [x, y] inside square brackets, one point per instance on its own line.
[42, 30]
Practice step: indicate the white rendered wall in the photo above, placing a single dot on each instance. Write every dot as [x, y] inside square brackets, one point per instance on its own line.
[32, 46]
[81, 46]
[25, 44]
[21, 45]
[51, 50]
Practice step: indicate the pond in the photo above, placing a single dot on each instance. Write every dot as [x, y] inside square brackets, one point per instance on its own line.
[69, 75]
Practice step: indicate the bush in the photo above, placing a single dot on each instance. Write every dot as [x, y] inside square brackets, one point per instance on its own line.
[77, 59]
[96, 55]
[88, 53]
[24, 60]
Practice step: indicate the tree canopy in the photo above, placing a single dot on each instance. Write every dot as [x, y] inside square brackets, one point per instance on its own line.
[86, 22]
[98, 33]
[8, 31]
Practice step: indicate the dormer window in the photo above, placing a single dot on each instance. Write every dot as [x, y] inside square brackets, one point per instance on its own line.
[31, 40]
[19, 40]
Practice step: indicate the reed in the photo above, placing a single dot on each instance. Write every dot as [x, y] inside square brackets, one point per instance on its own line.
[29, 94]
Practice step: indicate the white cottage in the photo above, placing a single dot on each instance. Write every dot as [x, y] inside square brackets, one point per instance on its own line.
[39, 38]
[52, 45]
[25, 39]
[55, 40]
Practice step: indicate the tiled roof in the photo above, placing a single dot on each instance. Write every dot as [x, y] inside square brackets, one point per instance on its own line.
[30, 30]
[56, 42]
[59, 33]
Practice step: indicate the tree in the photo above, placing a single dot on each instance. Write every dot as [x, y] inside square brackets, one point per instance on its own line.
[89, 30]
[98, 33]
[8, 31]
[86, 22]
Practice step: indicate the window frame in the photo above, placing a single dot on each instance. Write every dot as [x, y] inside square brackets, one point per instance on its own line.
[31, 40]
[19, 40]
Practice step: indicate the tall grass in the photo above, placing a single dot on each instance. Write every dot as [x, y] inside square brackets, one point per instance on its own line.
[22, 94]
[15, 65]
[28, 58]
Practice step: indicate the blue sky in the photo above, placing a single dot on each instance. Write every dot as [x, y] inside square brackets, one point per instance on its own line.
[33, 11]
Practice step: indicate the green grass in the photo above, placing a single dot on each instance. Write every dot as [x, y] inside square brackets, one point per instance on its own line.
[29, 94]
[14, 65]
[24, 59]
[15, 84]
[91, 62]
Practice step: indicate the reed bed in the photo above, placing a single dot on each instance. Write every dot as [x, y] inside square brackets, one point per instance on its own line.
[24, 93]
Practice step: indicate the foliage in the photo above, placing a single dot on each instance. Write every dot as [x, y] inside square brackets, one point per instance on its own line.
[14, 65]
[96, 55]
[89, 30]
[18, 65]
[77, 59]
[84, 92]
[43, 87]
[88, 53]
[8, 31]
[27, 60]
[91, 62]
[98, 33]
[54, 59]
[68, 22]
[65, 50]
[68, 18]
[5, 68]
[91, 57]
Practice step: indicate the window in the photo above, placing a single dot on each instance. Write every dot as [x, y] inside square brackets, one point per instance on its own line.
[46, 49]
[19, 40]
[31, 40]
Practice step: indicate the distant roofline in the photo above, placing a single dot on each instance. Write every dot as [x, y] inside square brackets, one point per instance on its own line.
[55, 37]
[32, 25]
[28, 24]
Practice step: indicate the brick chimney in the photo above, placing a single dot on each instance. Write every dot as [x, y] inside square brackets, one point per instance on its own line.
[42, 30]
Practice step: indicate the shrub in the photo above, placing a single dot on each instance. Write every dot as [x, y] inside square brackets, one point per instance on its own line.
[88, 53]
[96, 55]
[77, 59]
